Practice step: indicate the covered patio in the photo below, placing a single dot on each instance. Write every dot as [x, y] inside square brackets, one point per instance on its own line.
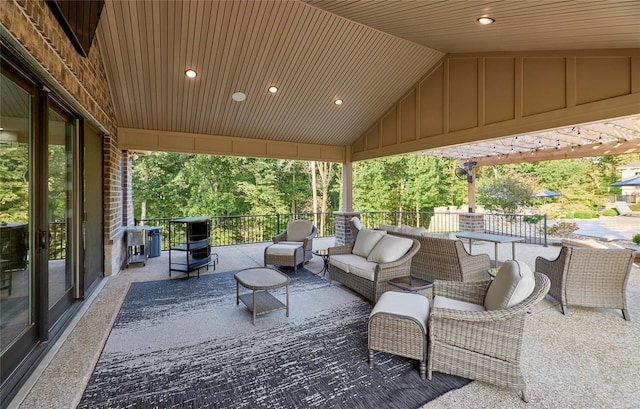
[301, 80]
[566, 364]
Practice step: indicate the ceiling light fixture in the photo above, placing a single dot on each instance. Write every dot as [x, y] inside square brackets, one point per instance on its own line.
[486, 20]
[238, 96]
[273, 89]
[338, 102]
[190, 73]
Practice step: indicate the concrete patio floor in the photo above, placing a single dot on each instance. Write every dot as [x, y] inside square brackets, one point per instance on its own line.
[587, 359]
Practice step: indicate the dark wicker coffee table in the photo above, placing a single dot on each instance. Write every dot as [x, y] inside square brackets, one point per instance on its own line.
[260, 280]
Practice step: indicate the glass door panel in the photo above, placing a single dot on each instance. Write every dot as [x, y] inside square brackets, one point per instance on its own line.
[16, 314]
[60, 196]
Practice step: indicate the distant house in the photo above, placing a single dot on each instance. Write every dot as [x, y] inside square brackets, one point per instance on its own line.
[628, 171]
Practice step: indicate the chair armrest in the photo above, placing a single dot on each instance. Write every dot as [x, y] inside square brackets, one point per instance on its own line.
[313, 233]
[346, 249]
[474, 267]
[307, 244]
[279, 237]
[472, 292]
[493, 333]
[555, 270]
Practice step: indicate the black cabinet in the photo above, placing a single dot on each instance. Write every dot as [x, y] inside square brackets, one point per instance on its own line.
[189, 244]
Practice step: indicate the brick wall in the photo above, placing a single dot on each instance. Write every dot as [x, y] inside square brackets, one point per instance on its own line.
[472, 222]
[82, 82]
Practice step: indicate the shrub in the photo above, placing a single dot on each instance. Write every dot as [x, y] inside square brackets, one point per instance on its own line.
[585, 214]
[533, 219]
[563, 228]
[609, 212]
[636, 239]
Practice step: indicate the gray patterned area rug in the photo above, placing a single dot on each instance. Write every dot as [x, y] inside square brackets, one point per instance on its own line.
[186, 344]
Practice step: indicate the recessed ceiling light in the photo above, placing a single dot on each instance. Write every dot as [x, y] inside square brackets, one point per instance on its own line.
[238, 96]
[486, 20]
[190, 73]
[338, 102]
[273, 89]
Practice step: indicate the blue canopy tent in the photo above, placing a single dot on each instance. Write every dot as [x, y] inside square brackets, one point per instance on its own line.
[634, 181]
[546, 193]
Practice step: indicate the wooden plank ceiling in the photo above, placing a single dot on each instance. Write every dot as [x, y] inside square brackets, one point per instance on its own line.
[311, 55]
[368, 53]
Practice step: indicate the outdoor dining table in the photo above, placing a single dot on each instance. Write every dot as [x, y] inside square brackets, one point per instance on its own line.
[494, 238]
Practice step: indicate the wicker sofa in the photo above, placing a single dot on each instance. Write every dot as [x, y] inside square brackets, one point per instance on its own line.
[366, 268]
[446, 259]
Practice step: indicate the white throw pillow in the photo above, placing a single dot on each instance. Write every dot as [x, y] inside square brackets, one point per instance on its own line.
[512, 285]
[390, 248]
[388, 227]
[366, 241]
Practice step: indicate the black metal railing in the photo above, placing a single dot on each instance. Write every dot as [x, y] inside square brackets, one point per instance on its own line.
[532, 227]
[245, 229]
[633, 198]
[57, 240]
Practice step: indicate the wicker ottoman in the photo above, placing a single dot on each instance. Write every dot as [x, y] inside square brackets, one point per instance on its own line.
[398, 325]
[289, 255]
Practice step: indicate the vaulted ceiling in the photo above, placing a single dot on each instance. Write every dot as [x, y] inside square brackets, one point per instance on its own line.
[367, 53]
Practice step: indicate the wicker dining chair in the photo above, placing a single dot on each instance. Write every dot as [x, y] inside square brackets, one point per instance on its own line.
[589, 277]
[480, 345]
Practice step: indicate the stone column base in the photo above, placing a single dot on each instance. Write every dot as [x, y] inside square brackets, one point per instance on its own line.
[343, 232]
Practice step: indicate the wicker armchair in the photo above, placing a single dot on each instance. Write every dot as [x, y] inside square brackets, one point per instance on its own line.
[480, 345]
[446, 259]
[589, 277]
[299, 232]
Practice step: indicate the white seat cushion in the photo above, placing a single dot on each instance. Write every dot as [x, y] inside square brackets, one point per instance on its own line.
[513, 283]
[389, 248]
[282, 249]
[366, 241]
[363, 268]
[298, 230]
[403, 304]
[343, 261]
[451, 304]
[294, 243]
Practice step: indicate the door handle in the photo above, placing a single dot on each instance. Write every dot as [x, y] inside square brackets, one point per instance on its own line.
[43, 240]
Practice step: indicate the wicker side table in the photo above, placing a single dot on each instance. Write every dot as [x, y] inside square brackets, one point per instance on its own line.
[412, 284]
[259, 280]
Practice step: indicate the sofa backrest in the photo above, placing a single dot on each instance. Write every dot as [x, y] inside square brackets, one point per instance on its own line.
[585, 271]
[440, 259]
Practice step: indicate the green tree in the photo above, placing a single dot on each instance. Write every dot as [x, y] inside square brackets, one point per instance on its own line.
[504, 194]
[14, 182]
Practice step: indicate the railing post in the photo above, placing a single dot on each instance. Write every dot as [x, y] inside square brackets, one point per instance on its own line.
[545, 230]
[277, 223]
